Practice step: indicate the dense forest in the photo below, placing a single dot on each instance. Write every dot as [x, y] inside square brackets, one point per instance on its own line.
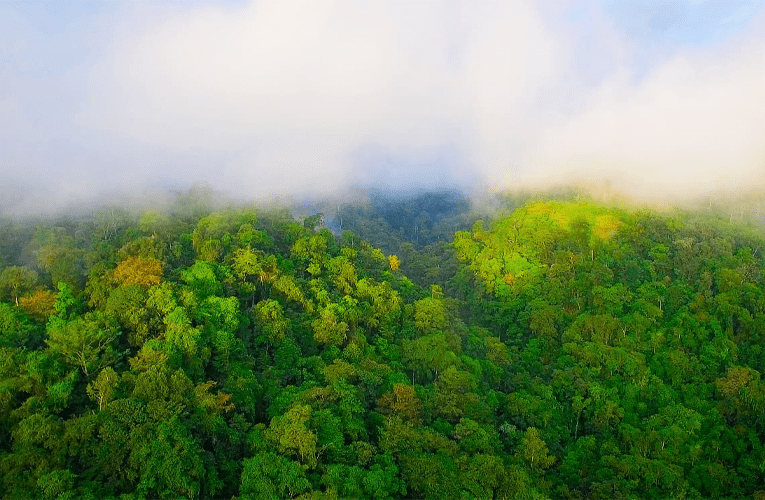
[402, 349]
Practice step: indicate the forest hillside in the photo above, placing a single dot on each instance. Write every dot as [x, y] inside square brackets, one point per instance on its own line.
[559, 349]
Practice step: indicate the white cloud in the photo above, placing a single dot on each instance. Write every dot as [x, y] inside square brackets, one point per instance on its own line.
[296, 88]
[691, 126]
[301, 95]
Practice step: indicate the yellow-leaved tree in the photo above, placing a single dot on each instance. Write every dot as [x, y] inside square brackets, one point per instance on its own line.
[394, 262]
[135, 270]
[40, 304]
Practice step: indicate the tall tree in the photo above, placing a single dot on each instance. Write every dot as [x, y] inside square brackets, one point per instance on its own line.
[16, 281]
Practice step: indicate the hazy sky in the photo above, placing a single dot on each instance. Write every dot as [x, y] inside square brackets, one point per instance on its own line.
[656, 97]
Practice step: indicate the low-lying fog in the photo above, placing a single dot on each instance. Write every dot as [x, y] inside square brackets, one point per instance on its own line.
[106, 100]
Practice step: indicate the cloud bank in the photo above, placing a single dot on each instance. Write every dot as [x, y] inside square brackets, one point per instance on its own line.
[691, 125]
[302, 96]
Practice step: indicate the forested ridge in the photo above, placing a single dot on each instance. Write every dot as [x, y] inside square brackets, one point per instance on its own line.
[561, 350]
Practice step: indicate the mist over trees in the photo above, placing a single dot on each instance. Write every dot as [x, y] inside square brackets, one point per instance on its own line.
[427, 346]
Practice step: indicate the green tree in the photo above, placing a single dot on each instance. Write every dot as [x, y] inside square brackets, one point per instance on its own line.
[290, 435]
[104, 388]
[328, 329]
[533, 450]
[268, 475]
[202, 280]
[15, 281]
[84, 343]
[15, 329]
[270, 318]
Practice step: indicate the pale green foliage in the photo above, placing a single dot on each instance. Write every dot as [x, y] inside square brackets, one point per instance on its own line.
[180, 333]
[16, 281]
[220, 313]
[268, 475]
[496, 351]
[221, 319]
[453, 392]
[270, 319]
[103, 389]
[313, 251]
[202, 280]
[343, 274]
[213, 232]
[328, 329]
[289, 288]
[83, 343]
[61, 261]
[249, 265]
[534, 450]
[476, 438]
[430, 315]
[291, 436]
[339, 370]
[378, 255]
[58, 484]
[153, 222]
[162, 298]
[429, 352]
[385, 302]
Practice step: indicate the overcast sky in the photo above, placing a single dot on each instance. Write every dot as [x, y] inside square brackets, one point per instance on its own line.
[659, 98]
